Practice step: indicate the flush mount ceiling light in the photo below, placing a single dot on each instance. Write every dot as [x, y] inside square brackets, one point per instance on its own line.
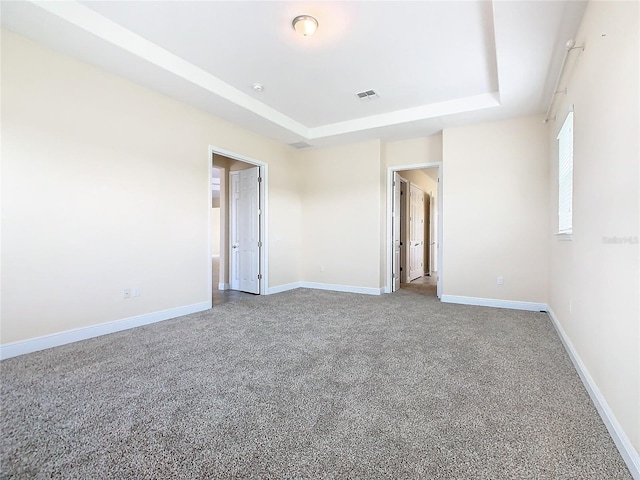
[305, 25]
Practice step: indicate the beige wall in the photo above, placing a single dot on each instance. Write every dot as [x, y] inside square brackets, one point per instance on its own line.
[215, 233]
[222, 163]
[341, 215]
[285, 223]
[337, 185]
[495, 210]
[594, 285]
[105, 187]
[413, 151]
[420, 178]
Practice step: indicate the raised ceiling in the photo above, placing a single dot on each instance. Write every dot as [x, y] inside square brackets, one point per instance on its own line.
[432, 64]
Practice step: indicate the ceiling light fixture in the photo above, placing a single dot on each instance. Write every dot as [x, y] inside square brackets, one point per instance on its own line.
[305, 25]
[258, 87]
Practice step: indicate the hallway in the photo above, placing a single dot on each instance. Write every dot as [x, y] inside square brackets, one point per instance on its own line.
[218, 297]
[425, 285]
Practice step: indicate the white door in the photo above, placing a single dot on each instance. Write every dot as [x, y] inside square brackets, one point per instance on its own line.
[234, 241]
[433, 221]
[245, 230]
[416, 233]
[395, 212]
[438, 235]
[427, 233]
[403, 231]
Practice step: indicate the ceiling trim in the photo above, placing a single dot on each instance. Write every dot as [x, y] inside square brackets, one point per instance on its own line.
[108, 30]
[422, 112]
[121, 37]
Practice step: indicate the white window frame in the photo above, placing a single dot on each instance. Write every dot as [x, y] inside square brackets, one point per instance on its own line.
[565, 176]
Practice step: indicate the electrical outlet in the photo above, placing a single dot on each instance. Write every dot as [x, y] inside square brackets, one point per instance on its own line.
[135, 292]
[500, 280]
[322, 268]
[127, 293]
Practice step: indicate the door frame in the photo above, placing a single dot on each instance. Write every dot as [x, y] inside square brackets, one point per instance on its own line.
[264, 215]
[397, 233]
[403, 230]
[389, 246]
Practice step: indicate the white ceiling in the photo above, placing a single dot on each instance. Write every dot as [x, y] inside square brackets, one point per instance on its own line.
[433, 63]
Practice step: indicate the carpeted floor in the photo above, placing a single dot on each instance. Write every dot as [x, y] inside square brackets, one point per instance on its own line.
[309, 384]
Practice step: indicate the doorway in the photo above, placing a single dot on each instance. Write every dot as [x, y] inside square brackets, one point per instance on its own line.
[230, 165]
[419, 229]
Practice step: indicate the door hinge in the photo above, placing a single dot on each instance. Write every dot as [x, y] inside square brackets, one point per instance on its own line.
[259, 179]
[393, 275]
[259, 244]
[259, 276]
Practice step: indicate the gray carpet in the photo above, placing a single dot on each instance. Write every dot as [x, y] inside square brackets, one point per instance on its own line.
[309, 384]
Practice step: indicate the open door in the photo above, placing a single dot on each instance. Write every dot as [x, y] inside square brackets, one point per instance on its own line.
[416, 228]
[437, 210]
[395, 212]
[244, 265]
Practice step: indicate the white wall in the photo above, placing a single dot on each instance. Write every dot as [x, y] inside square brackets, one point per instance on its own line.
[495, 210]
[595, 285]
[105, 186]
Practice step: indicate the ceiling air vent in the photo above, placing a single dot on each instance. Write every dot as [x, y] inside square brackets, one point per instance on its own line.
[299, 145]
[367, 95]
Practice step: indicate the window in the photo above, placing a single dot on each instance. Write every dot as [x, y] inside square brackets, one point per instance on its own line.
[565, 176]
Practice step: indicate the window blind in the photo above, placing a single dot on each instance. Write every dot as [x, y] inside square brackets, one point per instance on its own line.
[565, 176]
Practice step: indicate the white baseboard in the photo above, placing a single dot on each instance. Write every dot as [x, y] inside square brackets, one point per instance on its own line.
[492, 302]
[620, 438]
[283, 288]
[342, 288]
[69, 336]
[224, 286]
[325, 286]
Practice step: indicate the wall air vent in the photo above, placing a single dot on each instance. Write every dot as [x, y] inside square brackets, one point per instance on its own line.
[367, 95]
[300, 145]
